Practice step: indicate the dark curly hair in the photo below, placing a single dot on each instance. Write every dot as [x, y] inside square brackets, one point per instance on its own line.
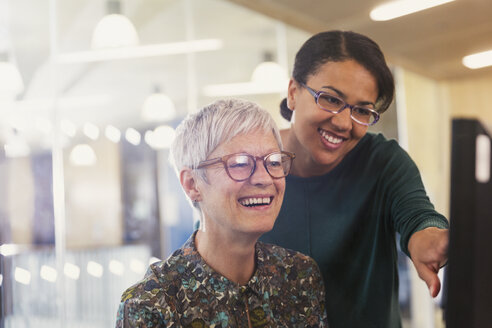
[339, 46]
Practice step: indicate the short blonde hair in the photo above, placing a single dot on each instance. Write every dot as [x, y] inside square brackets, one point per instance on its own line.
[199, 134]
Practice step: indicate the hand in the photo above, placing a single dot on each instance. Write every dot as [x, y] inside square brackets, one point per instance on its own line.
[428, 251]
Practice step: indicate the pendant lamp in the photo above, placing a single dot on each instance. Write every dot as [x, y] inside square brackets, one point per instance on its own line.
[114, 30]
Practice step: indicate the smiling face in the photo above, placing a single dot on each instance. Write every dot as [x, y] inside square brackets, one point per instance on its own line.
[247, 207]
[321, 139]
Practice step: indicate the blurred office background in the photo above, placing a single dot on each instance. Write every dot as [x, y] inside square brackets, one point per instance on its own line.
[91, 90]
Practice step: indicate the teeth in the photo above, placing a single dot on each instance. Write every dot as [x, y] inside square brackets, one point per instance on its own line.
[330, 138]
[255, 201]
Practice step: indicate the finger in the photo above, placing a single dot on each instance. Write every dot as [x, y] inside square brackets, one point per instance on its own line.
[434, 285]
[429, 275]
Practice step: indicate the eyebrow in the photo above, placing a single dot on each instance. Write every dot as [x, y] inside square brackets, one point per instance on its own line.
[271, 150]
[341, 94]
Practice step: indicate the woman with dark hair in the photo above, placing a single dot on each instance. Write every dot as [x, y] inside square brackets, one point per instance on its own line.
[350, 191]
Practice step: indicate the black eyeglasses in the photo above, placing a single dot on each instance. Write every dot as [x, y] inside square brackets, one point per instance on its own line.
[241, 166]
[335, 105]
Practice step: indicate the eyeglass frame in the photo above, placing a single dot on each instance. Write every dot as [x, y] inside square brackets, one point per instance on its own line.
[224, 159]
[317, 94]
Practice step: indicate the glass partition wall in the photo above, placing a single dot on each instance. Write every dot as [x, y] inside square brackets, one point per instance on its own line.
[87, 196]
[88, 108]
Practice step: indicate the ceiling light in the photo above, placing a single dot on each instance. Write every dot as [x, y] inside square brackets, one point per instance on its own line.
[112, 133]
[9, 249]
[395, 9]
[48, 273]
[114, 30]
[72, 271]
[268, 77]
[116, 267]
[91, 131]
[152, 50]
[161, 137]
[22, 275]
[95, 269]
[478, 60]
[158, 107]
[16, 147]
[269, 73]
[137, 266]
[11, 84]
[83, 155]
[133, 136]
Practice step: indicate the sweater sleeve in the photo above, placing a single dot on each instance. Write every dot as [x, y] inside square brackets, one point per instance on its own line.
[411, 209]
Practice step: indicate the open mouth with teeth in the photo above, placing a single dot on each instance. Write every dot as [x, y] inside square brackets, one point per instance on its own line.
[255, 201]
[330, 138]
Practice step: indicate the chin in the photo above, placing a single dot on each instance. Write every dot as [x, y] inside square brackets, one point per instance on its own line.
[261, 229]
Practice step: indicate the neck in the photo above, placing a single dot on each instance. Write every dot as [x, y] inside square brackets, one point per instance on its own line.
[304, 164]
[232, 257]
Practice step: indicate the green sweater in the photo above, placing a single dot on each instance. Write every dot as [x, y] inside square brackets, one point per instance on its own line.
[346, 220]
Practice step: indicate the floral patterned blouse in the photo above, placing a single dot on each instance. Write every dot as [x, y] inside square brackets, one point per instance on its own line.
[286, 290]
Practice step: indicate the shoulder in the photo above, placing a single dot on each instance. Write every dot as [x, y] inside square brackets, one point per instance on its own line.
[377, 141]
[152, 301]
[159, 281]
[378, 150]
[276, 256]
[143, 304]
[295, 281]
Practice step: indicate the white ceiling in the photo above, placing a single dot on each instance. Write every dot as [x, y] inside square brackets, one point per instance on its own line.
[112, 92]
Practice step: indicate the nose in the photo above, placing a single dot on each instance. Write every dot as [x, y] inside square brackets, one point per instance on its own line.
[343, 120]
[260, 176]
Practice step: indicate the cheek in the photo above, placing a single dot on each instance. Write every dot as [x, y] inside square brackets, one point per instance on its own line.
[358, 131]
[306, 123]
[280, 186]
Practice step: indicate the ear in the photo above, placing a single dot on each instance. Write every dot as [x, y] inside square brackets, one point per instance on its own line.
[189, 183]
[291, 94]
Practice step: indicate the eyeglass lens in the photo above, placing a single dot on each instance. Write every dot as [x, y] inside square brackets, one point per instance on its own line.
[335, 104]
[242, 166]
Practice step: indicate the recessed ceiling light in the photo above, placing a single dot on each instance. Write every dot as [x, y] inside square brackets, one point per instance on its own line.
[71, 270]
[478, 60]
[48, 273]
[112, 133]
[133, 136]
[395, 9]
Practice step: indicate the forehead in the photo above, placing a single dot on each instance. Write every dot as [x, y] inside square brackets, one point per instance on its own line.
[257, 142]
[347, 76]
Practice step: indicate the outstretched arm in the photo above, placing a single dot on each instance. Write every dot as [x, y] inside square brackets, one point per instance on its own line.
[428, 251]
